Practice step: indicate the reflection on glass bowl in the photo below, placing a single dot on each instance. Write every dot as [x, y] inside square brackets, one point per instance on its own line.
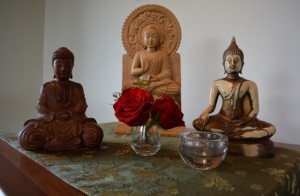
[202, 150]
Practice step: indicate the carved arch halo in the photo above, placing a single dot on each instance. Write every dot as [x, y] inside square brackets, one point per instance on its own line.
[162, 18]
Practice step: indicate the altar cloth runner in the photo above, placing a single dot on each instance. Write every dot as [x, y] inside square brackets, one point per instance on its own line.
[114, 169]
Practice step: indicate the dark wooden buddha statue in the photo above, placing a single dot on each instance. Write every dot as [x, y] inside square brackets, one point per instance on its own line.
[62, 123]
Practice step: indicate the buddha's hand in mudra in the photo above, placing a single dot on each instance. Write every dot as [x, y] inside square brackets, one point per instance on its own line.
[154, 78]
[203, 119]
[148, 78]
[140, 82]
[63, 116]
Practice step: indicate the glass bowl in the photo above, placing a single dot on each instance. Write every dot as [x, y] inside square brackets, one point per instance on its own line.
[202, 150]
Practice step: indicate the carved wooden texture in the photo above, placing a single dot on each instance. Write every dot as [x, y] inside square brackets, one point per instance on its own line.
[159, 16]
[175, 66]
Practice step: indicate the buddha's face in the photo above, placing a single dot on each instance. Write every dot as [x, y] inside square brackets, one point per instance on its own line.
[62, 68]
[151, 38]
[233, 63]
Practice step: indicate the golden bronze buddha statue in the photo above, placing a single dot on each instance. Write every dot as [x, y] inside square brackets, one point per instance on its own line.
[237, 117]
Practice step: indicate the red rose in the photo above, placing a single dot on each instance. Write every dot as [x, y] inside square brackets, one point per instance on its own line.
[134, 107]
[169, 113]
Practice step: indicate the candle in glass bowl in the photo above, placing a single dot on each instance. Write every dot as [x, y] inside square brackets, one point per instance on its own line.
[202, 150]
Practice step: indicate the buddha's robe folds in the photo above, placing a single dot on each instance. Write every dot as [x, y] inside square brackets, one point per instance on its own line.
[153, 65]
[233, 119]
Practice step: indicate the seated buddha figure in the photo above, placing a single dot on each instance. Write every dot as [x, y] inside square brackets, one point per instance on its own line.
[62, 123]
[151, 69]
[237, 117]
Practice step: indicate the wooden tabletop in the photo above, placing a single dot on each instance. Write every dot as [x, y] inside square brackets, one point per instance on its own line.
[20, 175]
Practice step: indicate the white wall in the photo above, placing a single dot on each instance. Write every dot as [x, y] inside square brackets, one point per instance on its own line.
[267, 32]
[21, 60]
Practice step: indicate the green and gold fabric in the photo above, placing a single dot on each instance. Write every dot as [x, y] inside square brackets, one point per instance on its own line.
[114, 169]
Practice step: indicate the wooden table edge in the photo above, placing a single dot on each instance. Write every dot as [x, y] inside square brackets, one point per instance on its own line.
[21, 175]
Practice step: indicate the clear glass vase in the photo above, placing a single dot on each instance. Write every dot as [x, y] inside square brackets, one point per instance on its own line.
[145, 140]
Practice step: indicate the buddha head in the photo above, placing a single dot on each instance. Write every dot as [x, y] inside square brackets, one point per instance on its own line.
[62, 63]
[151, 37]
[233, 58]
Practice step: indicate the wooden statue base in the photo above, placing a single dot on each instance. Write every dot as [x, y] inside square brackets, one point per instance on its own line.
[123, 129]
[259, 149]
